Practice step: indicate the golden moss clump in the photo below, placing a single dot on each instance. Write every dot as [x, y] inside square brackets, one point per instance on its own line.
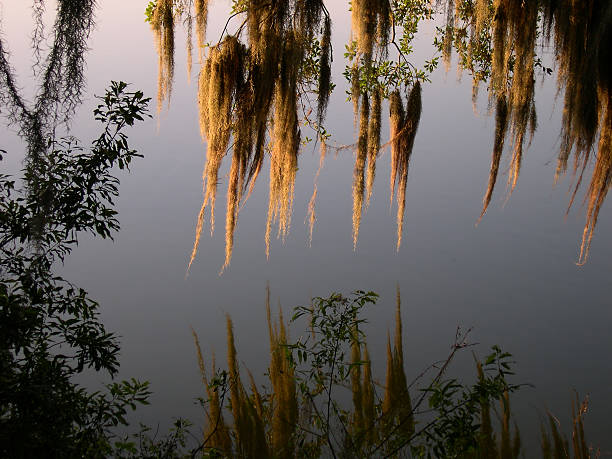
[448, 37]
[501, 126]
[396, 122]
[162, 24]
[521, 94]
[358, 172]
[201, 17]
[313, 199]
[220, 82]
[499, 65]
[373, 140]
[403, 128]
[370, 29]
[248, 94]
[285, 140]
[363, 25]
[600, 180]
[581, 37]
[482, 13]
[368, 147]
[508, 33]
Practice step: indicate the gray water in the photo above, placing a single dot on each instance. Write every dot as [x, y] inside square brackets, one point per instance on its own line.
[513, 279]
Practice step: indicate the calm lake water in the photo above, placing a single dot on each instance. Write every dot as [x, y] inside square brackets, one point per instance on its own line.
[513, 278]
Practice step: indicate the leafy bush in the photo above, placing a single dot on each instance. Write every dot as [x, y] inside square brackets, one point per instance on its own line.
[50, 329]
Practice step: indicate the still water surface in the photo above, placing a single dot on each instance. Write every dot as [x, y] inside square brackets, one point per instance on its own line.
[513, 278]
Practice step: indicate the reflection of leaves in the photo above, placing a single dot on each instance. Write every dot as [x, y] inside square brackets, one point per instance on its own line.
[334, 322]
[456, 428]
[239, 6]
[150, 10]
[391, 73]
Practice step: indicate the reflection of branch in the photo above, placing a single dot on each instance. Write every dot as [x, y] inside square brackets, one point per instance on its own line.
[399, 50]
[423, 429]
[329, 397]
[346, 432]
[232, 16]
[460, 343]
[241, 25]
[195, 451]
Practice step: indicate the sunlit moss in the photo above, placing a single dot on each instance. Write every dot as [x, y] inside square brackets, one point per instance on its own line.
[249, 93]
[600, 181]
[313, 199]
[285, 141]
[219, 83]
[201, 17]
[263, 116]
[578, 31]
[396, 122]
[162, 24]
[403, 129]
[501, 126]
[373, 140]
[358, 172]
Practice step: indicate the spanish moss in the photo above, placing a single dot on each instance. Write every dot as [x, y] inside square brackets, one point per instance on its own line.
[360, 164]
[163, 27]
[373, 140]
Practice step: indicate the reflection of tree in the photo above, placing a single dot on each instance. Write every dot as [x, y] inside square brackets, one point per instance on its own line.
[299, 411]
[60, 83]
[60, 74]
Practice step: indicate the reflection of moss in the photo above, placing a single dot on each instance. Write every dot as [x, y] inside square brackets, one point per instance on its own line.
[298, 413]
